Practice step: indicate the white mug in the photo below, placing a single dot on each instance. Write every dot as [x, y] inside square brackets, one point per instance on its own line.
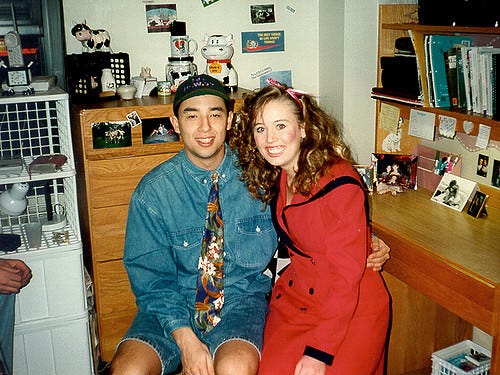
[182, 46]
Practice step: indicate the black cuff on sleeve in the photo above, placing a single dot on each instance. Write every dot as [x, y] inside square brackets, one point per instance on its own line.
[319, 355]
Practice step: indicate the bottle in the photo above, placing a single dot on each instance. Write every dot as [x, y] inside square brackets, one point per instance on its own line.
[108, 83]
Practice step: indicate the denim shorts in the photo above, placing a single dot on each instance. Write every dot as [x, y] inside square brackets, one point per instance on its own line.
[241, 320]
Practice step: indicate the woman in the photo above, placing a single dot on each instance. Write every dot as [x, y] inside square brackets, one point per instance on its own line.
[328, 315]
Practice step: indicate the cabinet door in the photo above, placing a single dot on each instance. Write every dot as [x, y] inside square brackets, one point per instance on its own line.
[112, 182]
[115, 304]
[108, 232]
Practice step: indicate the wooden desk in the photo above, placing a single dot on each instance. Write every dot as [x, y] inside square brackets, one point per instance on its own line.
[440, 258]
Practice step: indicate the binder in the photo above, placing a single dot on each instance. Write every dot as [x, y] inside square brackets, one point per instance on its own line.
[495, 64]
[438, 46]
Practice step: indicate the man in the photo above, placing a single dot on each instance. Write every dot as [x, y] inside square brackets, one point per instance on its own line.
[162, 249]
[14, 275]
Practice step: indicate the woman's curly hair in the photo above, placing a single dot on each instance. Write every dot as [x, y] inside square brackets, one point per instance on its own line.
[320, 149]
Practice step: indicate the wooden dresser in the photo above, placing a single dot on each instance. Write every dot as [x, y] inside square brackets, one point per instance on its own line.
[106, 178]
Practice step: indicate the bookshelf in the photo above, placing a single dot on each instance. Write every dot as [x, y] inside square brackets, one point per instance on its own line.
[394, 23]
[443, 281]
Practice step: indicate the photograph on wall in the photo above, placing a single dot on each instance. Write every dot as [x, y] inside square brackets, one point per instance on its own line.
[394, 173]
[366, 172]
[158, 130]
[208, 2]
[160, 17]
[111, 134]
[495, 177]
[478, 204]
[262, 13]
[262, 41]
[482, 165]
[454, 191]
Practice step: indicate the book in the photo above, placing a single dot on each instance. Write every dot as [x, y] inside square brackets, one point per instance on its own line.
[495, 85]
[466, 70]
[47, 163]
[396, 96]
[461, 90]
[450, 59]
[11, 165]
[438, 46]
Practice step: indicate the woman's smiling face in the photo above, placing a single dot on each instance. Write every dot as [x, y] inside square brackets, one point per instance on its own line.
[278, 134]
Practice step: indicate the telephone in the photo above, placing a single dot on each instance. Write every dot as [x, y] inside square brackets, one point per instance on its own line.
[17, 73]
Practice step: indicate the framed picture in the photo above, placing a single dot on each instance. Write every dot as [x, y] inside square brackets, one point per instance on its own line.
[394, 173]
[478, 204]
[366, 174]
[454, 191]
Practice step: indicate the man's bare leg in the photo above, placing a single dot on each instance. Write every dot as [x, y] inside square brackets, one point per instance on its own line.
[236, 357]
[134, 357]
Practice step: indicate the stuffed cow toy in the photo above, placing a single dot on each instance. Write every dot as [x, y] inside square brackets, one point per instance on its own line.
[218, 52]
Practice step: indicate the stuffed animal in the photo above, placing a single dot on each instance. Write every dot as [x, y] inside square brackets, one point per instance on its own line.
[218, 52]
[92, 40]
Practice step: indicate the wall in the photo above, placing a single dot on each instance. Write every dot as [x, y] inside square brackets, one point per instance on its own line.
[337, 66]
[126, 22]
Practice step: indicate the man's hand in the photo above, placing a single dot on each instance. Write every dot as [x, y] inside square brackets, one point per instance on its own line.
[379, 255]
[14, 275]
[195, 356]
[310, 366]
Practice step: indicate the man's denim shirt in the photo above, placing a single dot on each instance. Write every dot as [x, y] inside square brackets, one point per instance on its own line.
[164, 230]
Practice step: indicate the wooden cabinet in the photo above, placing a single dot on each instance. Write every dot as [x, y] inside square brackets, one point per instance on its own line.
[106, 179]
[444, 271]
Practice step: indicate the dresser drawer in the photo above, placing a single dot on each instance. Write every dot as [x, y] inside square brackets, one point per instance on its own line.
[113, 181]
[111, 331]
[115, 297]
[108, 232]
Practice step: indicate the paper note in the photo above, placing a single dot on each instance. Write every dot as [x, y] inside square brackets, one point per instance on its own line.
[421, 124]
[447, 126]
[483, 136]
[389, 117]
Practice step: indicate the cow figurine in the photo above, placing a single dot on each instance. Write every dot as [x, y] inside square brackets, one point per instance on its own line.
[92, 40]
[218, 52]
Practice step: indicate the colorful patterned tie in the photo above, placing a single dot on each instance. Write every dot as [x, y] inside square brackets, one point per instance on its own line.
[210, 282]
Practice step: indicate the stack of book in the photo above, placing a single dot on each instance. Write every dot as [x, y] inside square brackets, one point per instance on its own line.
[462, 73]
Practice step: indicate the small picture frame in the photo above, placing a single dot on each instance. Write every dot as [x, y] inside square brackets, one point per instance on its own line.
[394, 173]
[454, 191]
[478, 204]
[366, 172]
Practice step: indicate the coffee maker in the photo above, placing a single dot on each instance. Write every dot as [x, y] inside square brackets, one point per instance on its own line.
[182, 48]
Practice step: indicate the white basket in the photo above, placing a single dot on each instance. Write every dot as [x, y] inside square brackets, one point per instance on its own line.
[447, 361]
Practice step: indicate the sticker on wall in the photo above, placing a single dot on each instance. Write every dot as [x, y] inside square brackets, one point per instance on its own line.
[262, 41]
[208, 2]
[133, 118]
[160, 17]
[158, 130]
[262, 13]
[260, 72]
[282, 76]
[111, 134]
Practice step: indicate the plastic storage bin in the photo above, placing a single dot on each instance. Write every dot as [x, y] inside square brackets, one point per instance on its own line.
[53, 347]
[452, 360]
